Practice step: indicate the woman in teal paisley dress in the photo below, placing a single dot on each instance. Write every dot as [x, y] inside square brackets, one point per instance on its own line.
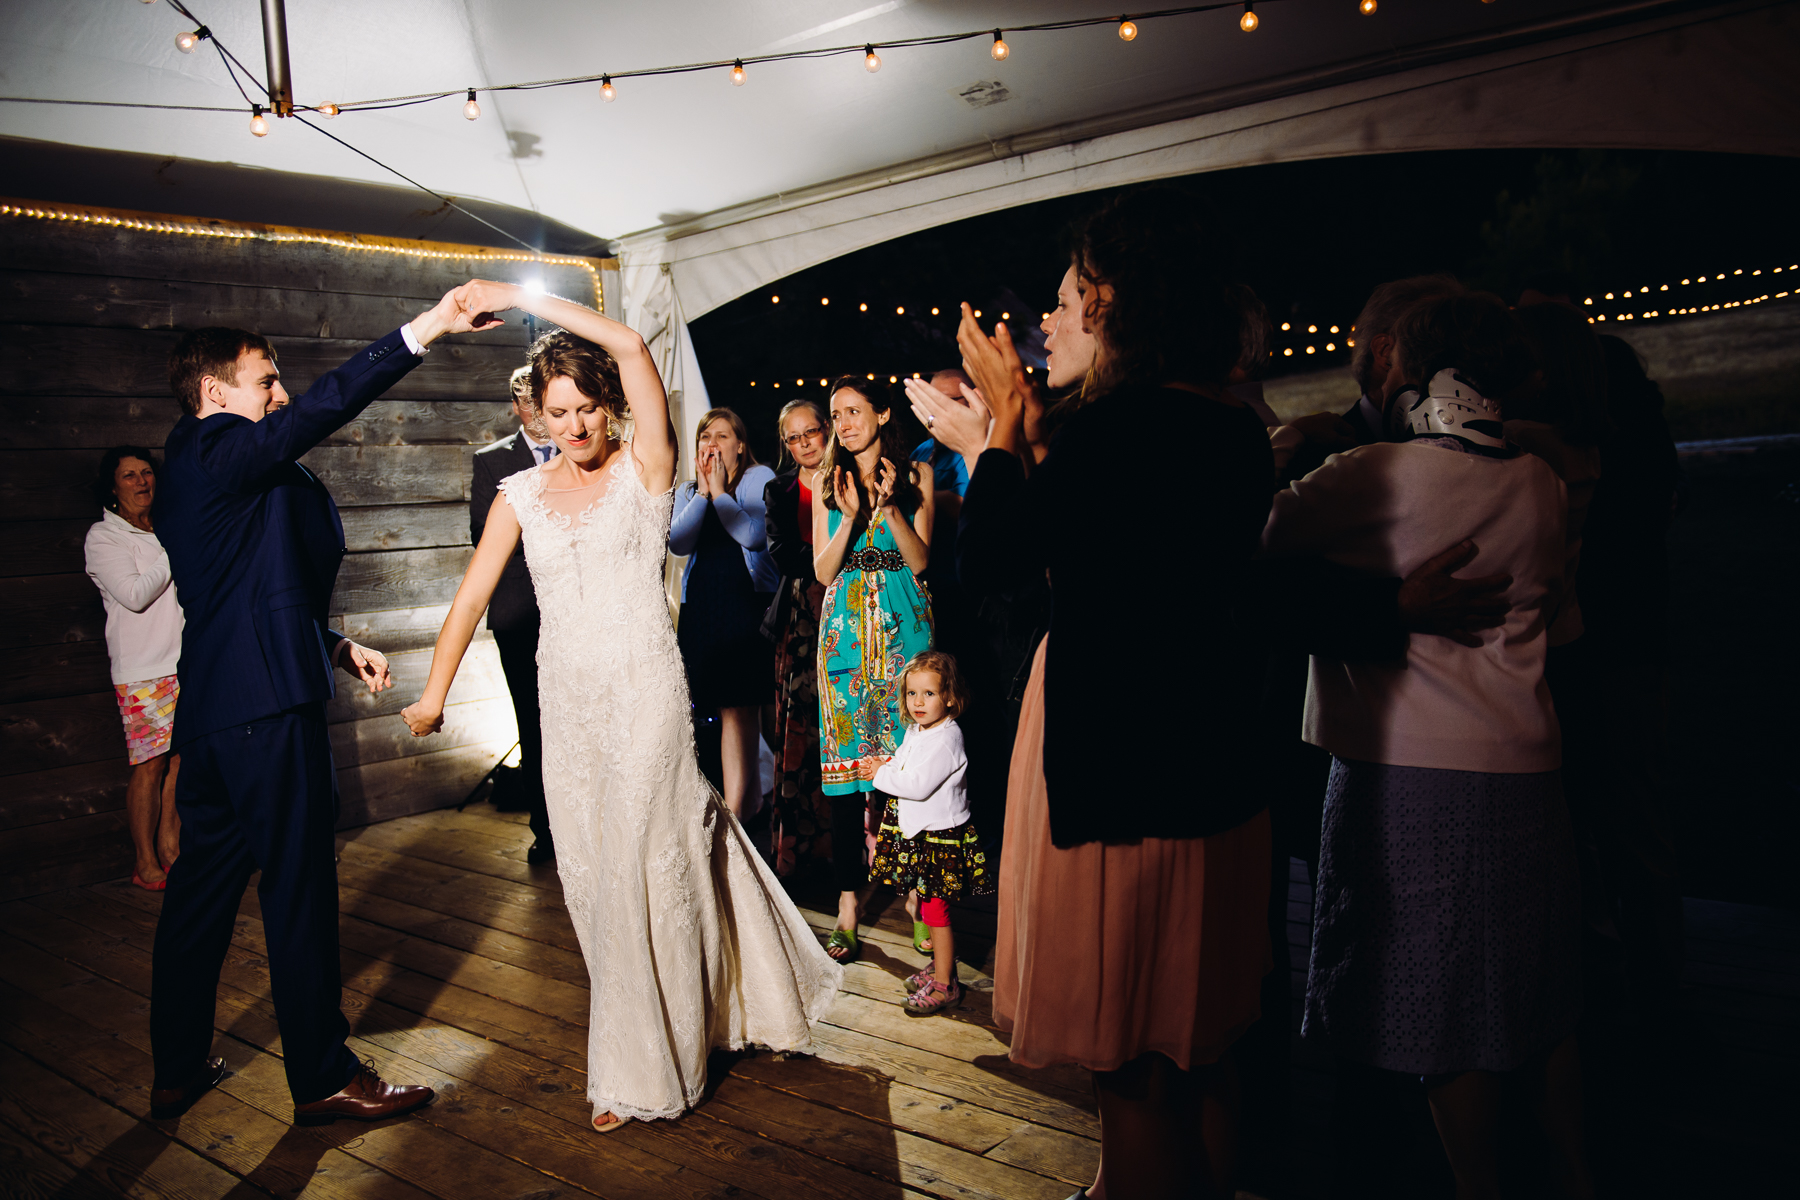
[871, 539]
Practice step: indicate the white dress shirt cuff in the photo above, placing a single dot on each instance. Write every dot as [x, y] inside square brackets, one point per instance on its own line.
[412, 341]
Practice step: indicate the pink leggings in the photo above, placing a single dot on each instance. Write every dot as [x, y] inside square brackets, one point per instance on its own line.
[935, 913]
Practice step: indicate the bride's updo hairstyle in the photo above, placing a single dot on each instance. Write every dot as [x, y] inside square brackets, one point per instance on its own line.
[591, 369]
[1171, 318]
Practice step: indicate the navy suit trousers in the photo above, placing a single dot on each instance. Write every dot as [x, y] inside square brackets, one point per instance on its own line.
[257, 796]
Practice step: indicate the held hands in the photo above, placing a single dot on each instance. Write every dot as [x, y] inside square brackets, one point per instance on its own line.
[451, 315]
[370, 666]
[1432, 601]
[959, 427]
[422, 718]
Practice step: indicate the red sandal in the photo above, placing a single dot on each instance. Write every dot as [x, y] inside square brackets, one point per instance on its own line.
[158, 886]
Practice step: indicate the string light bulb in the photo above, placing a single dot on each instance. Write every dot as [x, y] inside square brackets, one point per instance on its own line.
[871, 60]
[1127, 30]
[608, 92]
[187, 39]
[259, 124]
[737, 72]
[1248, 21]
[471, 107]
[328, 110]
[1000, 49]
[1367, 7]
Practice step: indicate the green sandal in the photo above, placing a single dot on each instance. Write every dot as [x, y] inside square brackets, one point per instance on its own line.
[921, 934]
[843, 946]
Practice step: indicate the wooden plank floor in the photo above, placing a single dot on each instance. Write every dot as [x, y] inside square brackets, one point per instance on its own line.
[461, 971]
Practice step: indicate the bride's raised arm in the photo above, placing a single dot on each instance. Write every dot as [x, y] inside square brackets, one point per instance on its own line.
[653, 441]
[498, 540]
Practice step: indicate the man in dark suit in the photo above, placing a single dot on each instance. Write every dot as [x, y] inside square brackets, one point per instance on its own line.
[254, 543]
[513, 612]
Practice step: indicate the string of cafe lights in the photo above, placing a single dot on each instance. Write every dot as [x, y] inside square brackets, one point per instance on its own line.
[1127, 25]
[1338, 337]
[210, 229]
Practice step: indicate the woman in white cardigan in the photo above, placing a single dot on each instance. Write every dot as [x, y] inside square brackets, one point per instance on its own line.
[143, 640]
[1446, 930]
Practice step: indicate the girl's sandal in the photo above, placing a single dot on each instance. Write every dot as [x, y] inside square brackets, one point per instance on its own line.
[933, 998]
[842, 946]
[611, 1126]
[917, 979]
[921, 937]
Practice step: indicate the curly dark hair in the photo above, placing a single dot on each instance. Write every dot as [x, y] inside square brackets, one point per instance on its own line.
[1569, 388]
[589, 367]
[109, 467]
[1475, 333]
[1170, 319]
[893, 443]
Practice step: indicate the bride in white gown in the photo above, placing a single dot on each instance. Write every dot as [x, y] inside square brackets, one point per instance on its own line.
[690, 942]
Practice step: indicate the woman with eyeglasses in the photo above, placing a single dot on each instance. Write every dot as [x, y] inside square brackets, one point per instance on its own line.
[801, 812]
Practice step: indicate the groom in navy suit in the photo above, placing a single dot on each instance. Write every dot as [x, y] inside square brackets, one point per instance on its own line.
[254, 543]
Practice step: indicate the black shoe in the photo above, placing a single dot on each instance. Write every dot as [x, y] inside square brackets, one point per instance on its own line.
[542, 851]
[169, 1103]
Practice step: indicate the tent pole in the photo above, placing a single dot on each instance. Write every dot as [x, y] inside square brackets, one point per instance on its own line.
[275, 51]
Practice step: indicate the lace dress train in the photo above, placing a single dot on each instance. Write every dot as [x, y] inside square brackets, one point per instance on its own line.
[690, 942]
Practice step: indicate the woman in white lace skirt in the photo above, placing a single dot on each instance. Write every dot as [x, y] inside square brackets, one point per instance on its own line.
[690, 942]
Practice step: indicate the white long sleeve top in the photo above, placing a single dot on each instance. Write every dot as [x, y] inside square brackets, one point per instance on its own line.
[1386, 509]
[927, 773]
[143, 616]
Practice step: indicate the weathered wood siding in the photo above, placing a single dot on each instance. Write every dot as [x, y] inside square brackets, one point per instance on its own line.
[88, 313]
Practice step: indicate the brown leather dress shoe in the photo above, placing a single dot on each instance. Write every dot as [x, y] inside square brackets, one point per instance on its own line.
[169, 1103]
[367, 1097]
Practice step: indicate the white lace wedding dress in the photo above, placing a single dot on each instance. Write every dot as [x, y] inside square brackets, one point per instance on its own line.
[690, 942]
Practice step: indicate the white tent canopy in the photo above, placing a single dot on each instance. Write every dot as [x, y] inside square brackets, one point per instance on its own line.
[731, 188]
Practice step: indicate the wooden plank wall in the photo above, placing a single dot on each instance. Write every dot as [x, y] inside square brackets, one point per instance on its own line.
[88, 313]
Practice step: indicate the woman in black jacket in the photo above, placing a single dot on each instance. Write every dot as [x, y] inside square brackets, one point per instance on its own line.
[1132, 936]
[802, 814]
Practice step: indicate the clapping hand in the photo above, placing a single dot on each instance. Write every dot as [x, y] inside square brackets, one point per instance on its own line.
[994, 365]
[849, 497]
[958, 426]
[885, 481]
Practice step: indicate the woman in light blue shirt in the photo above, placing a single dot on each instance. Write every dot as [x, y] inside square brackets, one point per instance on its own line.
[729, 584]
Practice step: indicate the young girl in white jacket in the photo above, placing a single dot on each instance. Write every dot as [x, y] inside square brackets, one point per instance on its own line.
[927, 843]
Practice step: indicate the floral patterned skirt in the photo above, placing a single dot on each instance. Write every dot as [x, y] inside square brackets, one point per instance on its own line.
[147, 709]
[801, 813]
[939, 864]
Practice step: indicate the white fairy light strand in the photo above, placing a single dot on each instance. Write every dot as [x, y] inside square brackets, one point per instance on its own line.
[194, 229]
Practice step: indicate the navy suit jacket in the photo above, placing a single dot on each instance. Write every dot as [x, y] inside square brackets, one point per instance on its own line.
[254, 543]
